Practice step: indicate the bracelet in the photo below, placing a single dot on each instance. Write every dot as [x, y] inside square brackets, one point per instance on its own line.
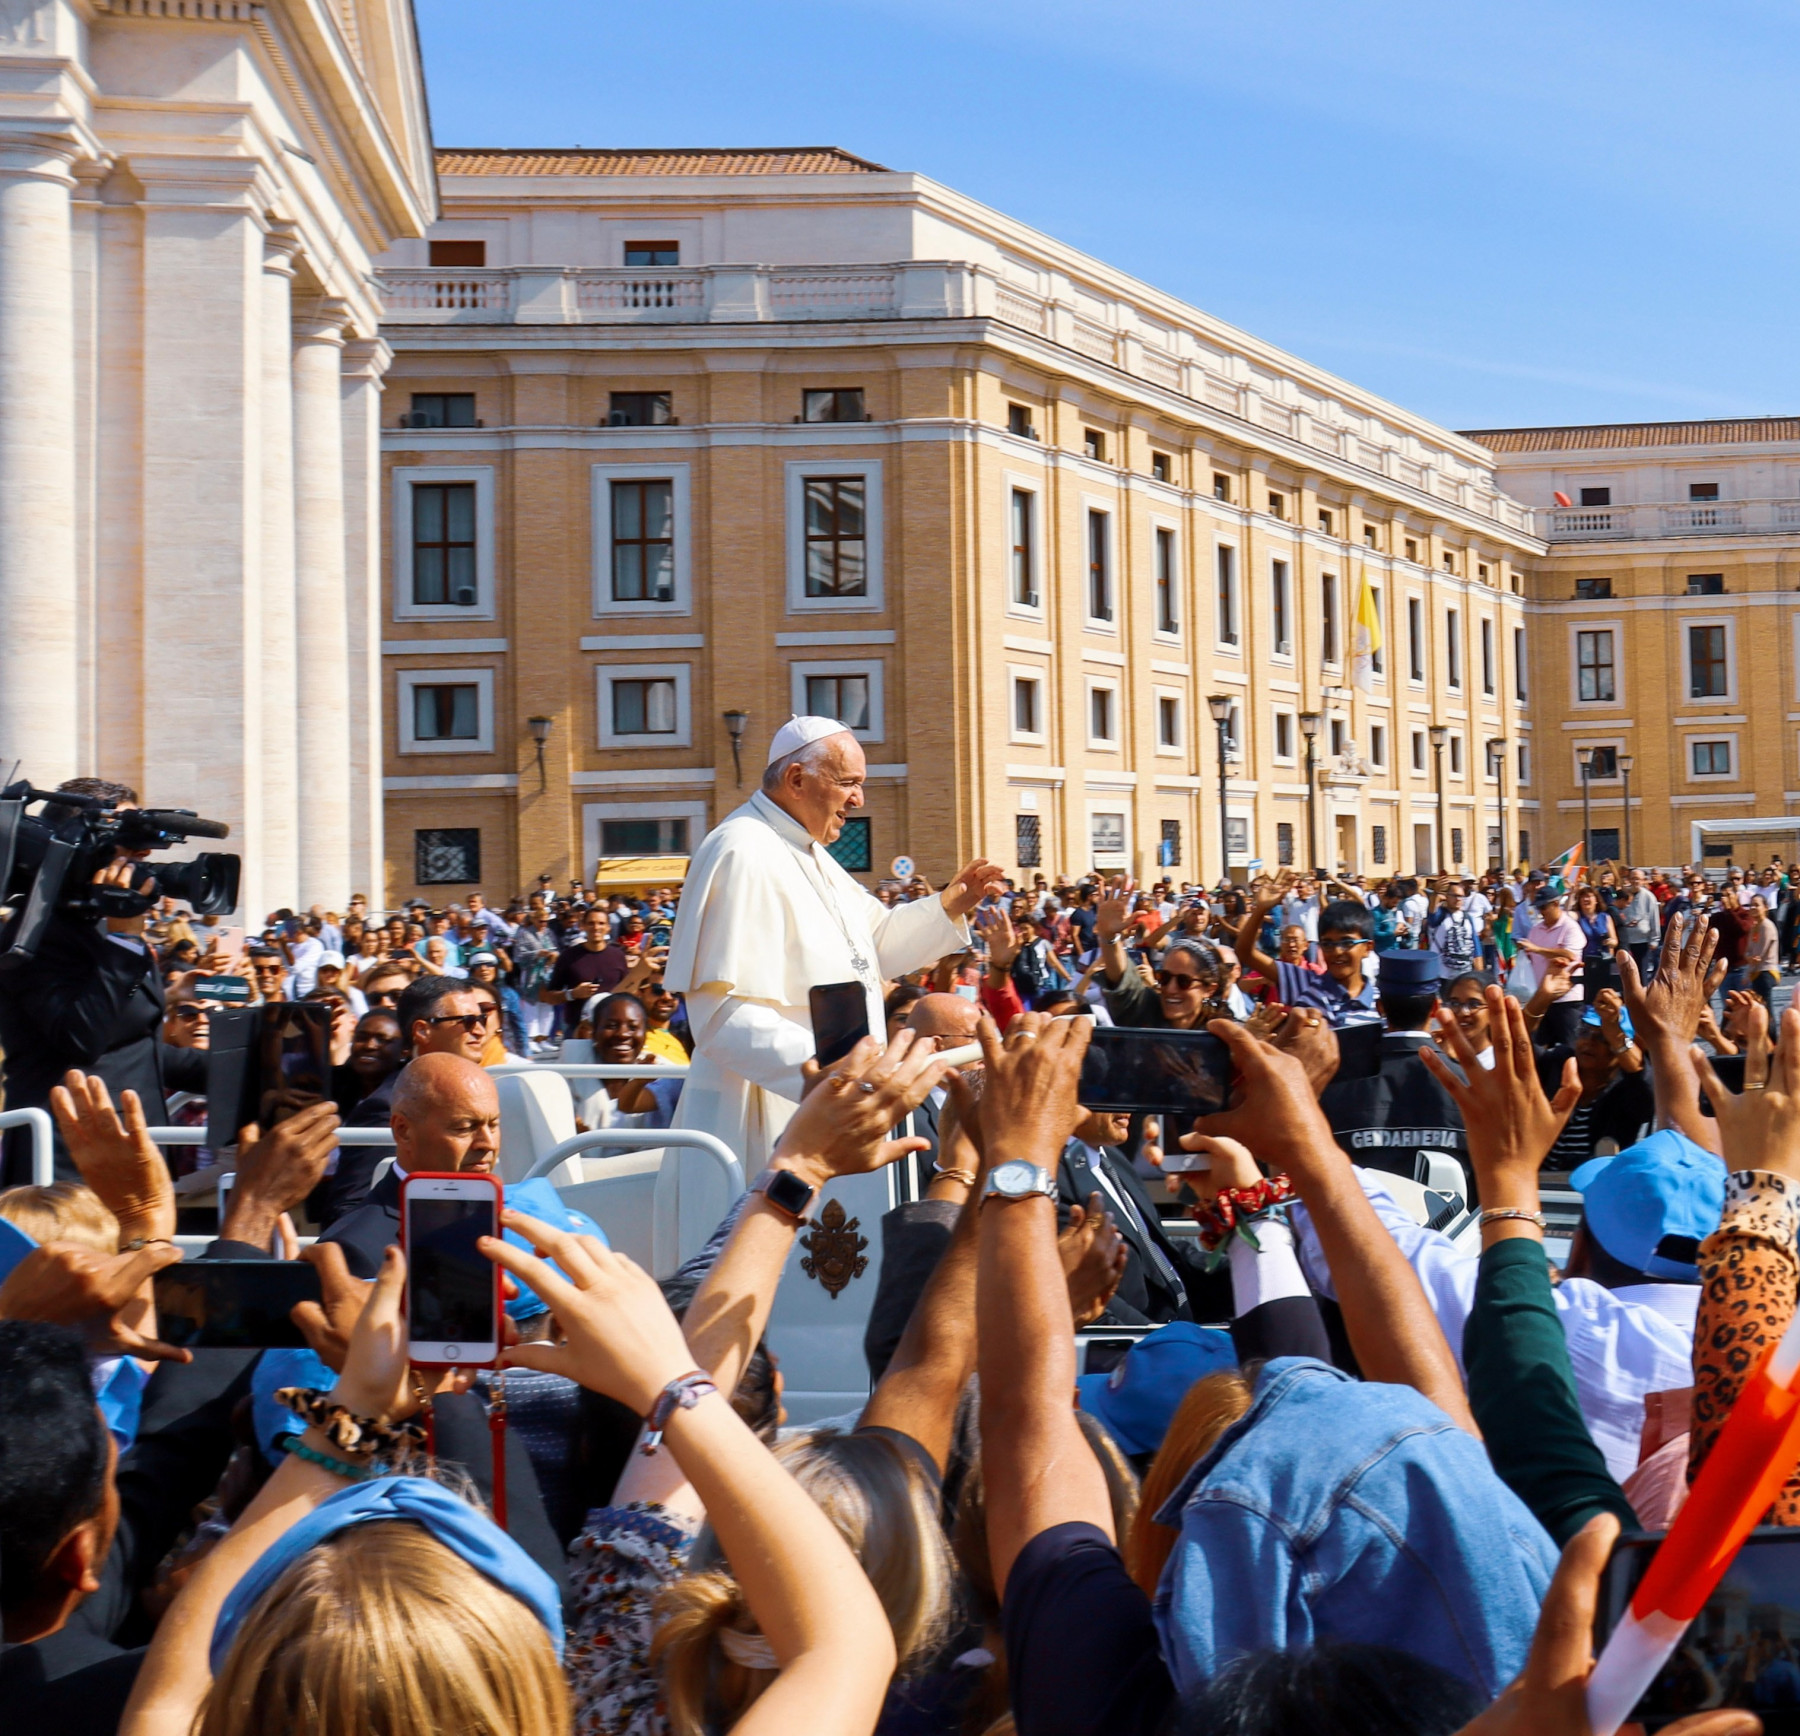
[965, 1176]
[337, 1467]
[137, 1242]
[1234, 1207]
[1510, 1214]
[682, 1393]
[344, 1428]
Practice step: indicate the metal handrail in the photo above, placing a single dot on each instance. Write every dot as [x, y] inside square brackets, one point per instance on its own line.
[43, 1143]
[197, 1135]
[590, 1069]
[643, 1139]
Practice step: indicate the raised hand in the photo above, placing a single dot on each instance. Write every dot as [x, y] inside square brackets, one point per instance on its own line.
[1759, 1128]
[74, 1286]
[995, 927]
[116, 1157]
[326, 1324]
[1231, 1166]
[1308, 1036]
[843, 1122]
[1030, 1102]
[277, 1171]
[1667, 1011]
[1093, 1256]
[972, 884]
[1113, 911]
[1275, 1115]
[1747, 1019]
[376, 1380]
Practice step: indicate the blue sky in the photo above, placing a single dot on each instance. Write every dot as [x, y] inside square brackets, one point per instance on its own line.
[1493, 215]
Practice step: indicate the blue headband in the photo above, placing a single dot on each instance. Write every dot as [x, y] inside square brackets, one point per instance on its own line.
[453, 1522]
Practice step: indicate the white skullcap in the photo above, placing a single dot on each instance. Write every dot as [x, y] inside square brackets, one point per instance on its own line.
[799, 732]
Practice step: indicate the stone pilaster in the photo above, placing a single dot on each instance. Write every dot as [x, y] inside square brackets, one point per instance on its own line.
[365, 366]
[280, 691]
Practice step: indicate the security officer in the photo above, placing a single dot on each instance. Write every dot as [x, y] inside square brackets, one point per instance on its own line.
[1395, 1118]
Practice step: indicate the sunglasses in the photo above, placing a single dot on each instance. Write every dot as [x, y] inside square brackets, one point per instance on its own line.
[188, 1012]
[1166, 979]
[470, 1022]
[383, 998]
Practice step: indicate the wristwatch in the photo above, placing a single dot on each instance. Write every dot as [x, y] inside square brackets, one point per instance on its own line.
[786, 1192]
[1018, 1180]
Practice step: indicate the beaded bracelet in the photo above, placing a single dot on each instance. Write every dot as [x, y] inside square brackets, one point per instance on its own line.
[344, 1428]
[1226, 1215]
[337, 1467]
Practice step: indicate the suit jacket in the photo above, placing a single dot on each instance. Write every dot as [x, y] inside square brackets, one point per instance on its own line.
[347, 1188]
[370, 1229]
[1385, 1121]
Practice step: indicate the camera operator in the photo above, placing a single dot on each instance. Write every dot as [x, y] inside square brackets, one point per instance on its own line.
[91, 999]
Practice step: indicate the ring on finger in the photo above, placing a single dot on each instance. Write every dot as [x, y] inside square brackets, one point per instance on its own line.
[866, 1086]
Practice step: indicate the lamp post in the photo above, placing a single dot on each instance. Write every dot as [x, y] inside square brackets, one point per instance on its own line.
[1440, 734]
[1584, 757]
[737, 722]
[1625, 772]
[1219, 704]
[540, 728]
[1497, 759]
[1309, 727]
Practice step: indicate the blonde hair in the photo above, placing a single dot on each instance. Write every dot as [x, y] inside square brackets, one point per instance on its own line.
[63, 1211]
[882, 1508]
[382, 1631]
[1212, 1405]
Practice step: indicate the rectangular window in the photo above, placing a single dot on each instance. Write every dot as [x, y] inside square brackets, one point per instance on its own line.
[1226, 560]
[458, 255]
[1604, 763]
[645, 707]
[650, 837]
[1168, 849]
[1594, 667]
[1278, 607]
[1018, 421]
[643, 539]
[1237, 836]
[1024, 553]
[1284, 843]
[1488, 671]
[447, 712]
[1100, 602]
[1524, 846]
[1168, 581]
[1093, 443]
[1596, 497]
[1284, 735]
[1328, 617]
[1703, 491]
[1377, 744]
[1524, 762]
[1711, 759]
[1412, 548]
[1221, 487]
[1456, 756]
[1378, 845]
[1606, 843]
[1277, 506]
[1453, 647]
[1456, 845]
[1378, 658]
[1168, 721]
[1371, 536]
[855, 846]
[1106, 834]
[1161, 467]
[1025, 707]
[1593, 590]
[444, 543]
[1100, 713]
[1449, 562]
[1520, 659]
[836, 549]
[1028, 841]
[442, 409]
[652, 252]
[639, 410]
[1706, 663]
[447, 856]
[1496, 843]
[1418, 750]
[1481, 571]
[845, 697]
[1325, 522]
[1338, 736]
[1415, 639]
[1706, 584]
[835, 404]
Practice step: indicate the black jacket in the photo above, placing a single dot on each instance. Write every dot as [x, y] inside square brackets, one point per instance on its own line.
[1384, 1122]
[347, 1187]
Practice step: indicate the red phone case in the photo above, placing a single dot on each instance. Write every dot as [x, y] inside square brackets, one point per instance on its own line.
[499, 1206]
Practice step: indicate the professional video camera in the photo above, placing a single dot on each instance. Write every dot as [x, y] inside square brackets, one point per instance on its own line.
[48, 862]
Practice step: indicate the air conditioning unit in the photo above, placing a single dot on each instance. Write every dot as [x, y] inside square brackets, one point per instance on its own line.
[617, 419]
[1285, 648]
[463, 596]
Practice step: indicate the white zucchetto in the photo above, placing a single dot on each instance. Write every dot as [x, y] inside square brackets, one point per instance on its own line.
[799, 732]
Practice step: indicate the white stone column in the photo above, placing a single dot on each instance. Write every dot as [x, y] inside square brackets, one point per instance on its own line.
[279, 694]
[365, 367]
[39, 666]
[323, 636]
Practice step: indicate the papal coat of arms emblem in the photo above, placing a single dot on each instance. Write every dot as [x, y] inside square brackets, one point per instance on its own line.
[834, 1251]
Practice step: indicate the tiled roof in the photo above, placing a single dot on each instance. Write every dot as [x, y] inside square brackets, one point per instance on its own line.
[1611, 435]
[782, 160]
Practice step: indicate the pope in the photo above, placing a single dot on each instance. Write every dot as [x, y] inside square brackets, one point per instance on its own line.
[767, 915]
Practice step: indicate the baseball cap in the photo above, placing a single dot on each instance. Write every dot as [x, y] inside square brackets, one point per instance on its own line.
[1138, 1400]
[483, 958]
[1652, 1205]
[1592, 1017]
[538, 1199]
[335, 959]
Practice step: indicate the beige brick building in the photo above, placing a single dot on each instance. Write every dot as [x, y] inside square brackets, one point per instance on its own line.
[676, 436]
[1665, 637]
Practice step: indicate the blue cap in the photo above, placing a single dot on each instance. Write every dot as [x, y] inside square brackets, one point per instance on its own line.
[1652, 1205]
[538, 1199]
[1138, 1400]
[1592, 1017]
[273, 1424]
[1410, 971]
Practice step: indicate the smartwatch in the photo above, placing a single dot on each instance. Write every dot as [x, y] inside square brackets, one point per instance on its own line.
[1018, 1180]
[786, 1192]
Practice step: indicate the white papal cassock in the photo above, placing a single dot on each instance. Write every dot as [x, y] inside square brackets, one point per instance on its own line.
[766, 915]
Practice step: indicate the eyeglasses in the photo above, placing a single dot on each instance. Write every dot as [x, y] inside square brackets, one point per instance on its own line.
[1174, 979]
[470, 1022]
[1341, 942]
[1466, 1006]
[187, 1012]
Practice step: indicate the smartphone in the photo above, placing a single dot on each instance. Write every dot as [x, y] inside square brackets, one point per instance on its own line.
[264, 1064]
[230, 991]
[233, 1304]
[840, 1019]
[1178, 1073]
[1359, 1050]
[1741, 1649]
[452, 1288]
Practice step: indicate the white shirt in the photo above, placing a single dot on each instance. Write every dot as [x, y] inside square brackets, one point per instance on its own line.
[1478, 904]
[1622, 1343]
[307, 951]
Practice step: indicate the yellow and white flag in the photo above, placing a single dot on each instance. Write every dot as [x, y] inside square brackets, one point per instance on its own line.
[1365, 639]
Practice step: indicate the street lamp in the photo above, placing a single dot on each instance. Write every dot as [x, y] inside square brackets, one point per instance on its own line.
[1584, 757]
[737, 722]
[1625, 763]
[1219, 704]
[540, 733]
[1309, 727]
[1497, 760]
[1439, 735]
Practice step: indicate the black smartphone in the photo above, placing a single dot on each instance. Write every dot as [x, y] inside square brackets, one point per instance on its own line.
[264, 1064]
[233, 1304]
[1743, 1648]
[1359, 1050]
[1177, 1073]
[230, 991]
[840, 1019]
[1730, 1069]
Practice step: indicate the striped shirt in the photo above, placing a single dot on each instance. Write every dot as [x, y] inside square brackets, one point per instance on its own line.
[1301, 985]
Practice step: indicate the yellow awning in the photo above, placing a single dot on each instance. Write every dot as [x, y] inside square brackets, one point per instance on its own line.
[627, 873]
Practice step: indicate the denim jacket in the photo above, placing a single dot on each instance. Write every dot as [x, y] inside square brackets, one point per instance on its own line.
[1337, 1509]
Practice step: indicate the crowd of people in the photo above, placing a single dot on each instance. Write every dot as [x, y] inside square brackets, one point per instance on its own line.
[1350, 1474]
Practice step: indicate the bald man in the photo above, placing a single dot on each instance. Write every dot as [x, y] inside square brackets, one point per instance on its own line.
[445, 1117]
[951, 1020]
